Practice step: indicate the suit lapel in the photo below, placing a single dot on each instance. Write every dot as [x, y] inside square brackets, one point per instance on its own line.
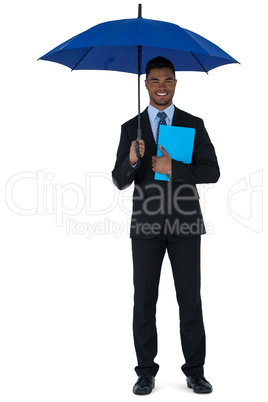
[177, 117]
[147, 133]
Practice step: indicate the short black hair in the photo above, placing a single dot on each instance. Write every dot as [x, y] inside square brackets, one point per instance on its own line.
[159, 62]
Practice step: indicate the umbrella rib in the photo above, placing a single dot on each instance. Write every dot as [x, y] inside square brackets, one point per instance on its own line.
[82, 58]
[199, 62]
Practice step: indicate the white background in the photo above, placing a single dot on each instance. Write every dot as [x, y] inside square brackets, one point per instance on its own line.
[66, 297]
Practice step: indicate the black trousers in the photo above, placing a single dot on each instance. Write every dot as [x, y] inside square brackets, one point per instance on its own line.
[184, 255]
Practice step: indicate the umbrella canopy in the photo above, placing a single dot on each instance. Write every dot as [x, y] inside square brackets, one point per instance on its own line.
[127, 45]
[113, 46]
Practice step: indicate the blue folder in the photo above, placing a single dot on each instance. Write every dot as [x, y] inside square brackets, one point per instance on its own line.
[178, 142]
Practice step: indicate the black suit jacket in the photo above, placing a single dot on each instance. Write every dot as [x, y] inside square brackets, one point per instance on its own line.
[155, 202]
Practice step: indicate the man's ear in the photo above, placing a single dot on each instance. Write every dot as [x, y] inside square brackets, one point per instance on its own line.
[146, 84]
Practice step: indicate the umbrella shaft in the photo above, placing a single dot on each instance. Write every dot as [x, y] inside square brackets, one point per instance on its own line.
[139, 11]
[139, 92]
[139, 106]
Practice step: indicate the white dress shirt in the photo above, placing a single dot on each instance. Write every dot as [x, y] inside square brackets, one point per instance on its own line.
[154, 119]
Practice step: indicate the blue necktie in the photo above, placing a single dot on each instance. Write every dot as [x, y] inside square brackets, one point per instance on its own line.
[162, 121]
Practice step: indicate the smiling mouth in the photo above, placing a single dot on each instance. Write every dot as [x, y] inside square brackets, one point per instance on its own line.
[161, 93]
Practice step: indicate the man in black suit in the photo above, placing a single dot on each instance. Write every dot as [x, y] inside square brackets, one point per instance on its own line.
[166, 216]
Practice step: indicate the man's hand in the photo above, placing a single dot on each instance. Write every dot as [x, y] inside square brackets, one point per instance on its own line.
[162, 164]
[132, 153]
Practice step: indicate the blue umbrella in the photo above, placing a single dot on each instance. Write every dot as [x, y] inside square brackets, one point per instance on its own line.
[127, 45]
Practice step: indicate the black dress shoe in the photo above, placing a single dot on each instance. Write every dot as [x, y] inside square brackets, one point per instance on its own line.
[199, 384]
[144, 385]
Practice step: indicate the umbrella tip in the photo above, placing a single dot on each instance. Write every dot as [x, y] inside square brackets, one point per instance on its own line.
[139, 11]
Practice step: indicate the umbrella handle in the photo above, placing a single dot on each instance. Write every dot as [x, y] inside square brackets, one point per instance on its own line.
[139, 137]
[137, 145]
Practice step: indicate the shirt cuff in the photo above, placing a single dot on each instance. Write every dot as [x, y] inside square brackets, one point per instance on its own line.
[136, 164]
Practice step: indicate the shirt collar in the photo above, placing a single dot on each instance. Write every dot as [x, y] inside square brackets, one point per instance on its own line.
[152, 111]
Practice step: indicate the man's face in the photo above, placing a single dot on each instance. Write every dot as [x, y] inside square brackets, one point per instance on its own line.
[161, 86]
